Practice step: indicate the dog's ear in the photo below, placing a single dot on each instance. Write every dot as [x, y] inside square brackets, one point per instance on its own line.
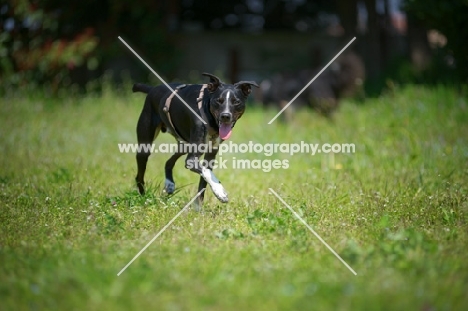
[215, 82]
[245, 86]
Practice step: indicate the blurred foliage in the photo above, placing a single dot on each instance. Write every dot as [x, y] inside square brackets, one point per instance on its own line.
[450, 18]
[252, 16]
[57, 43]
[33, 49]
[51, 42]
[401, 70]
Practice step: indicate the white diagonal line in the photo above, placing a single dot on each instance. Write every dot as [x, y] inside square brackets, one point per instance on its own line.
[300, 92]
[159, 77]
[160, 232]
[312, 230]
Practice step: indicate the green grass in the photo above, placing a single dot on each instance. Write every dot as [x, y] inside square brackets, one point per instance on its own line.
[396, 211]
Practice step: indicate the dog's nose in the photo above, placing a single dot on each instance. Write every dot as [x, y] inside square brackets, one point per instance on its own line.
[225, 117]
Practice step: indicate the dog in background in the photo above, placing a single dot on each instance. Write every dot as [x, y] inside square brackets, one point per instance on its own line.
[344, 78]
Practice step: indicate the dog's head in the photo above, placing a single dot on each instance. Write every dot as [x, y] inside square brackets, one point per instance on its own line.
[227, 102]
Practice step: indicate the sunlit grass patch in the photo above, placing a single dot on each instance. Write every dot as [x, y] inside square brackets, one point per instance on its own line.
[396, 210]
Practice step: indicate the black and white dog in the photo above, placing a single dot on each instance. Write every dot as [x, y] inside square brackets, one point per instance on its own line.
[220, 105]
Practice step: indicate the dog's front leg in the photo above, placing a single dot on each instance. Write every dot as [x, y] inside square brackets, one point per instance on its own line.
[208, 176]
[194, 164]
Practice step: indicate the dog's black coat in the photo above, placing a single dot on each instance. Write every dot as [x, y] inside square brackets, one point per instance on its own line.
[223, 104]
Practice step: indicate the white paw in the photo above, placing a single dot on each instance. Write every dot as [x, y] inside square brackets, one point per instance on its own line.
[219, 192]
[169, 186]
[215, 185]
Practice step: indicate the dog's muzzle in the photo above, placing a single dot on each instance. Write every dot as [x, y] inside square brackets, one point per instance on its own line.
[225, 125]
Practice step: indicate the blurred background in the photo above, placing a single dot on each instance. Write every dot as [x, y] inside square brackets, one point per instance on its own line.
[72, 44]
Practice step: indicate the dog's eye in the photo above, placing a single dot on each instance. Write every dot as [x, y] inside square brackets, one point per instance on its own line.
[220, 100]
[236, 102]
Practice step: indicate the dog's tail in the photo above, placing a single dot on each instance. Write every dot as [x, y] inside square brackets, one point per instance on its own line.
[139, 87]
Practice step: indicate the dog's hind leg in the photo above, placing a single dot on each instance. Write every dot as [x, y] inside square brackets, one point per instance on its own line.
[148, 127]
[169, 184]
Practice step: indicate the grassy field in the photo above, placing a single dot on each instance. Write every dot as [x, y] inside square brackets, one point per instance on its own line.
[396, 211]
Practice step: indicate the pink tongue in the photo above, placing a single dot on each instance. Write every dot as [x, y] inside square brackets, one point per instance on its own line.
[225, 131]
